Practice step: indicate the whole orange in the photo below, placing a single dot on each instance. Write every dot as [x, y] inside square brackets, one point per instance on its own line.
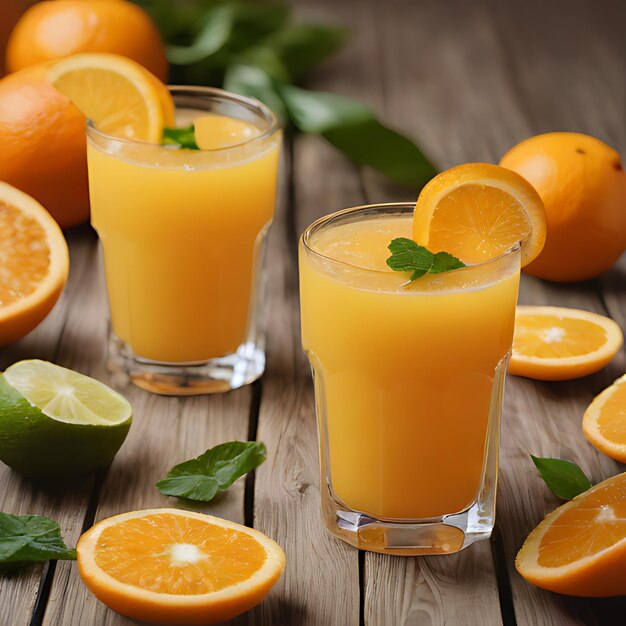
[582, 183]
[51, 30]
[42, 135]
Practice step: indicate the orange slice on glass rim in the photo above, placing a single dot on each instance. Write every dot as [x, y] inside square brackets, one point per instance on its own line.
[34, 263]
[121, 97]
[604, 422]
[478, 211]
[177, 567]
[580, 549]
[556, 343]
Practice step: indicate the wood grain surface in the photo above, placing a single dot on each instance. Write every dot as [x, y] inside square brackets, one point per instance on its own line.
[468, 80]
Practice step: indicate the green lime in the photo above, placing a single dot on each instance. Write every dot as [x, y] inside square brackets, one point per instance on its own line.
[56, 423]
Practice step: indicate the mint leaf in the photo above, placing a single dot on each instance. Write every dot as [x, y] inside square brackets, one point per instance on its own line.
[216, 470]
[565, 479]
[406, 255]
[31, 538]
[444, 262]
[183, 137]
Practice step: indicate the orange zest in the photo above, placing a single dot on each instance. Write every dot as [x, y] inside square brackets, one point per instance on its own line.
[120, 96]
[555, 343]
[478, 211]
[173, 566]
[604, 422]
[34, 263]
[580, 549]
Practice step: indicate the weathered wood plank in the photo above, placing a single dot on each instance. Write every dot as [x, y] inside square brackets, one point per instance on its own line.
[560, 86]
[321, 582]
[65, 504]
[393, 43]
[165, 431]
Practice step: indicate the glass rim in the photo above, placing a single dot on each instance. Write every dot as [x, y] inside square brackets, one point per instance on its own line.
[318, 224]
[273, 125]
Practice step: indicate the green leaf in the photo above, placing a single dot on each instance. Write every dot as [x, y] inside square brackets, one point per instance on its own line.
[216, 470]
[184, 137]
[217, 29]
[406, 255]
[444, 262]
[255, 82]
[302, 46]
[564, 478]
[354, 130]
[31, 538]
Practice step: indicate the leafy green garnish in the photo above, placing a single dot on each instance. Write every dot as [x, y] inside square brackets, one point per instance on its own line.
[408, 256]
[255, 49]
[31, 538]
[183, 137]
[564, 478]
[214, 471]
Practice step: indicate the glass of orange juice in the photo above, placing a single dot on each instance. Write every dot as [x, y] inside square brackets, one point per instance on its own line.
[408, 382]
[182, 234]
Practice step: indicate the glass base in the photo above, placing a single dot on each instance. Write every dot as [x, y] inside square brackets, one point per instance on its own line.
[445, 535]
[217, 375]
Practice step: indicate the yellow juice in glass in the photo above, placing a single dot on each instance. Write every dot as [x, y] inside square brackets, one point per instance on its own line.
[408, 376]
[182, 233]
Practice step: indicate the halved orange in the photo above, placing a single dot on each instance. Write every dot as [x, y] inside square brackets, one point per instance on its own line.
[604, 422]
[34, 263]
[177, 567]
[478, 211]
[120, 96]
[556, 343]
[580, 549]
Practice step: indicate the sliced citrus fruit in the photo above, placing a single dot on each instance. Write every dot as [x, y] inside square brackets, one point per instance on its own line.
[604, 422]
[555, 343]
[177, 567]
[55, 422]
[213, 132]
[120, 96]
[580, 549]
[34, 263]
[478, 211]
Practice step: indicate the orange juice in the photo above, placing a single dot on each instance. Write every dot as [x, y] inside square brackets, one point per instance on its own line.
[181, 233]
[404, 373]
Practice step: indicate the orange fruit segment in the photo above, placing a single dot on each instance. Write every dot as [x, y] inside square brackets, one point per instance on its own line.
[171, 566]
[556, 343]
[214, 132]
[580, 549]
[478, 211]
[604, 422]
[120, 96]
[34, 263]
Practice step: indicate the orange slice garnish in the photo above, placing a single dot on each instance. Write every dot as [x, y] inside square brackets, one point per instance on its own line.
[120, 96]
[555, 343]
[478, 211]
[580, 549]
[34, 263]
[174, 566]
[604, 422]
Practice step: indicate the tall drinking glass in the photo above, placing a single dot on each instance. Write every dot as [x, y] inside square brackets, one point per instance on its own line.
[182, 235]
[408, 384]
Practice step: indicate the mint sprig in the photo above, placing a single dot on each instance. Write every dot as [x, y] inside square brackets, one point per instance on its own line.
[408, 256]
[31, 538]
[564, 478]
[183, 137]
[202, 478]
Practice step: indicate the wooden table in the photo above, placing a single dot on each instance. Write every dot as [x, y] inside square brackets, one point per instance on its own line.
[468, 79]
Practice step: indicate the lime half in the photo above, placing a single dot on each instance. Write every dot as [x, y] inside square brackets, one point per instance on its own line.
[55, 422]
